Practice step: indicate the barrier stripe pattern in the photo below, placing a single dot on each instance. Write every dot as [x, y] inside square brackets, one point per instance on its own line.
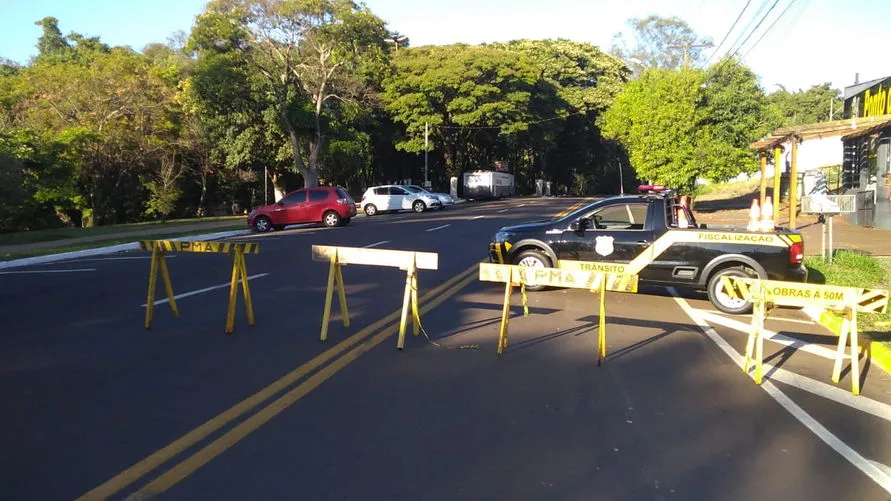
[204, 247]
[874, 300]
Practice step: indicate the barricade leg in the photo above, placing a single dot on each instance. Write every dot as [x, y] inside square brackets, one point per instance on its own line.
[505, 317]
[245, 287]
[855, 356]
[233, 296]
[601, 328]
[168, 285]
[415, 315]
[341, 296]
[759, 343]
[329, 292]
[406, 302]
[153, 278]
[840, 351]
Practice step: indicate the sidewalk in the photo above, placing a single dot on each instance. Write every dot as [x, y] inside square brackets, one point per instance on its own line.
[135, 235]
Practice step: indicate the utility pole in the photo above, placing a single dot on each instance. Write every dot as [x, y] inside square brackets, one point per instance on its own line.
[621, 181]
[426, 140]
[686, 47]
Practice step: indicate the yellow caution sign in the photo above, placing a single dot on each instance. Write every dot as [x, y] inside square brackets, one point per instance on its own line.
[409, 261]
[513, 275]
[239, 273]
[767, 293]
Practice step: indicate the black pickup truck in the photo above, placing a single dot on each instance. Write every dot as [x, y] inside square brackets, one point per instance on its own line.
[659, 236]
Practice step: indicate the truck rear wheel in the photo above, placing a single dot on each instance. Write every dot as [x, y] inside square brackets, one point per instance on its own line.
[721, 300]
[533, 258]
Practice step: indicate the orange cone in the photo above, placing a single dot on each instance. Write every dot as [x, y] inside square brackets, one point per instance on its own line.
[754, 217]
[767, 216]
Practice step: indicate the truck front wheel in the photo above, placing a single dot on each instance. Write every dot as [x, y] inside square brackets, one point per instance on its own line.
[721, 300]
[533, 258]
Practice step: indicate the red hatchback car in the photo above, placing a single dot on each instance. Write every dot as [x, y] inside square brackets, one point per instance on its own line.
[327, 205]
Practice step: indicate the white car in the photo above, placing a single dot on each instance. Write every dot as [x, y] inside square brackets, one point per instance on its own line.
[393, 197]
[444, 198]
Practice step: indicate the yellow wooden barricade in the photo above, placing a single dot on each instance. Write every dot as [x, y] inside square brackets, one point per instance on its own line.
[594, 281]
[158, 266]
[409, 261]
[765, 294]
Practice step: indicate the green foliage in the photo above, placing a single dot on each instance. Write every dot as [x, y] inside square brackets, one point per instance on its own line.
[655, 119]
[817, 104]
[848, 269]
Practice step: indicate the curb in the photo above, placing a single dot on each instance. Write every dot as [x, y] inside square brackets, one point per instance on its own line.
[876, 352]
[111, 249]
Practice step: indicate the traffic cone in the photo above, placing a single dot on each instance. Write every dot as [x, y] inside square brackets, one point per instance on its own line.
[754, 217]
[767, 215]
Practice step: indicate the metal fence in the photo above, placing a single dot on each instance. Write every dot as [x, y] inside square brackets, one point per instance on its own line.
[829, 204]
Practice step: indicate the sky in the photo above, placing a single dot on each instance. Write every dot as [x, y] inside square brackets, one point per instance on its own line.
[799, 43]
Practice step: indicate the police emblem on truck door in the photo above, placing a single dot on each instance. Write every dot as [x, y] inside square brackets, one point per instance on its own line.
[603, 245]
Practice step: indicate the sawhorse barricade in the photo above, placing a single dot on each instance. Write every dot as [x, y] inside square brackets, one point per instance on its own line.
[766, 294]
[409, 261]
[513, 275]
[239, 272]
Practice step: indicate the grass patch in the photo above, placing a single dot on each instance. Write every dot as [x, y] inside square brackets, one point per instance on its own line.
[112, 240]
[723, 191]
[852, 269]
[29, 237]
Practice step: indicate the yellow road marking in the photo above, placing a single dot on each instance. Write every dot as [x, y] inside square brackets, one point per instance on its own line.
[251, 424]
[571, 208]
[142, 468]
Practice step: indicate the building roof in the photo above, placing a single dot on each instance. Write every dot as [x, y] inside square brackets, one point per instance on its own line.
[845, 129]
[855, 89]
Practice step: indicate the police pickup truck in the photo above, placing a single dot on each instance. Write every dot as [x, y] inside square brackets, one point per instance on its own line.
[656, 236]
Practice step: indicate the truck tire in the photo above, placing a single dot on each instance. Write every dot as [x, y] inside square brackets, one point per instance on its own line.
[533, 258]
[721, 300]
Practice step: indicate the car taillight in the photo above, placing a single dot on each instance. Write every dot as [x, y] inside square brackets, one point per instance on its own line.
[796, 253]
[363, 197]
[343, 201]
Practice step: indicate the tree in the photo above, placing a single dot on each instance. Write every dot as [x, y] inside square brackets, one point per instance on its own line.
[660, 42]
[732, 118]
[820, 103]
[655, 119]
[468, 95]
[51, 42]
[307, 52]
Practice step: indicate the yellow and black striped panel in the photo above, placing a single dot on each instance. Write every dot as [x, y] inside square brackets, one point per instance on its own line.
[618, 283]
[872, 300]
[203, 247]
[737, 288]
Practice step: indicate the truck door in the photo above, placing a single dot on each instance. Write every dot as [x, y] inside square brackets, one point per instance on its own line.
[615, 233]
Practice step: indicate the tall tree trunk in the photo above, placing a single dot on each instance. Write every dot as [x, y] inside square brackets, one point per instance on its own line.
[278, 185]
[310, 178]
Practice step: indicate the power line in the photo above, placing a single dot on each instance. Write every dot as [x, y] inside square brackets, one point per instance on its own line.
[769, 28]
[756, 27]
[743, 32]
[728, 32]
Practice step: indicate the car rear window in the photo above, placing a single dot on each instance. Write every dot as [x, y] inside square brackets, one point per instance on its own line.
[341, 193]
[318, 195]
[381, 191]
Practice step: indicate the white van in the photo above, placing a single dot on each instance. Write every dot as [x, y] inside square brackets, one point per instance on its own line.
[394, 197]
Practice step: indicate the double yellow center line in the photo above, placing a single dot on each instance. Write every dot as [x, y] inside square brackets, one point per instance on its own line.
[363, 339]
[575, 206]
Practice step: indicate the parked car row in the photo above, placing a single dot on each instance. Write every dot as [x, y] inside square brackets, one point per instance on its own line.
[333, 206]
[396, 197]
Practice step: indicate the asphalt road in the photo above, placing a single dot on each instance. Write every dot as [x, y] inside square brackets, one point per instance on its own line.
[97, 406]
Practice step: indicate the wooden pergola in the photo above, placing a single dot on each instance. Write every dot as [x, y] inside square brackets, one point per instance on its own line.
[845, 129]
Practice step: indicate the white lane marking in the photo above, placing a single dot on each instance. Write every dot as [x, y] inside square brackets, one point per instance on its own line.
[206, 289]
[73, 270]
[883, 467]
[382, 242]
[503, 210]
[438, 227]
[126, 258]
[780, 319]
[477, 217]
[820, 351]
[522, 205]
[861, 463]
